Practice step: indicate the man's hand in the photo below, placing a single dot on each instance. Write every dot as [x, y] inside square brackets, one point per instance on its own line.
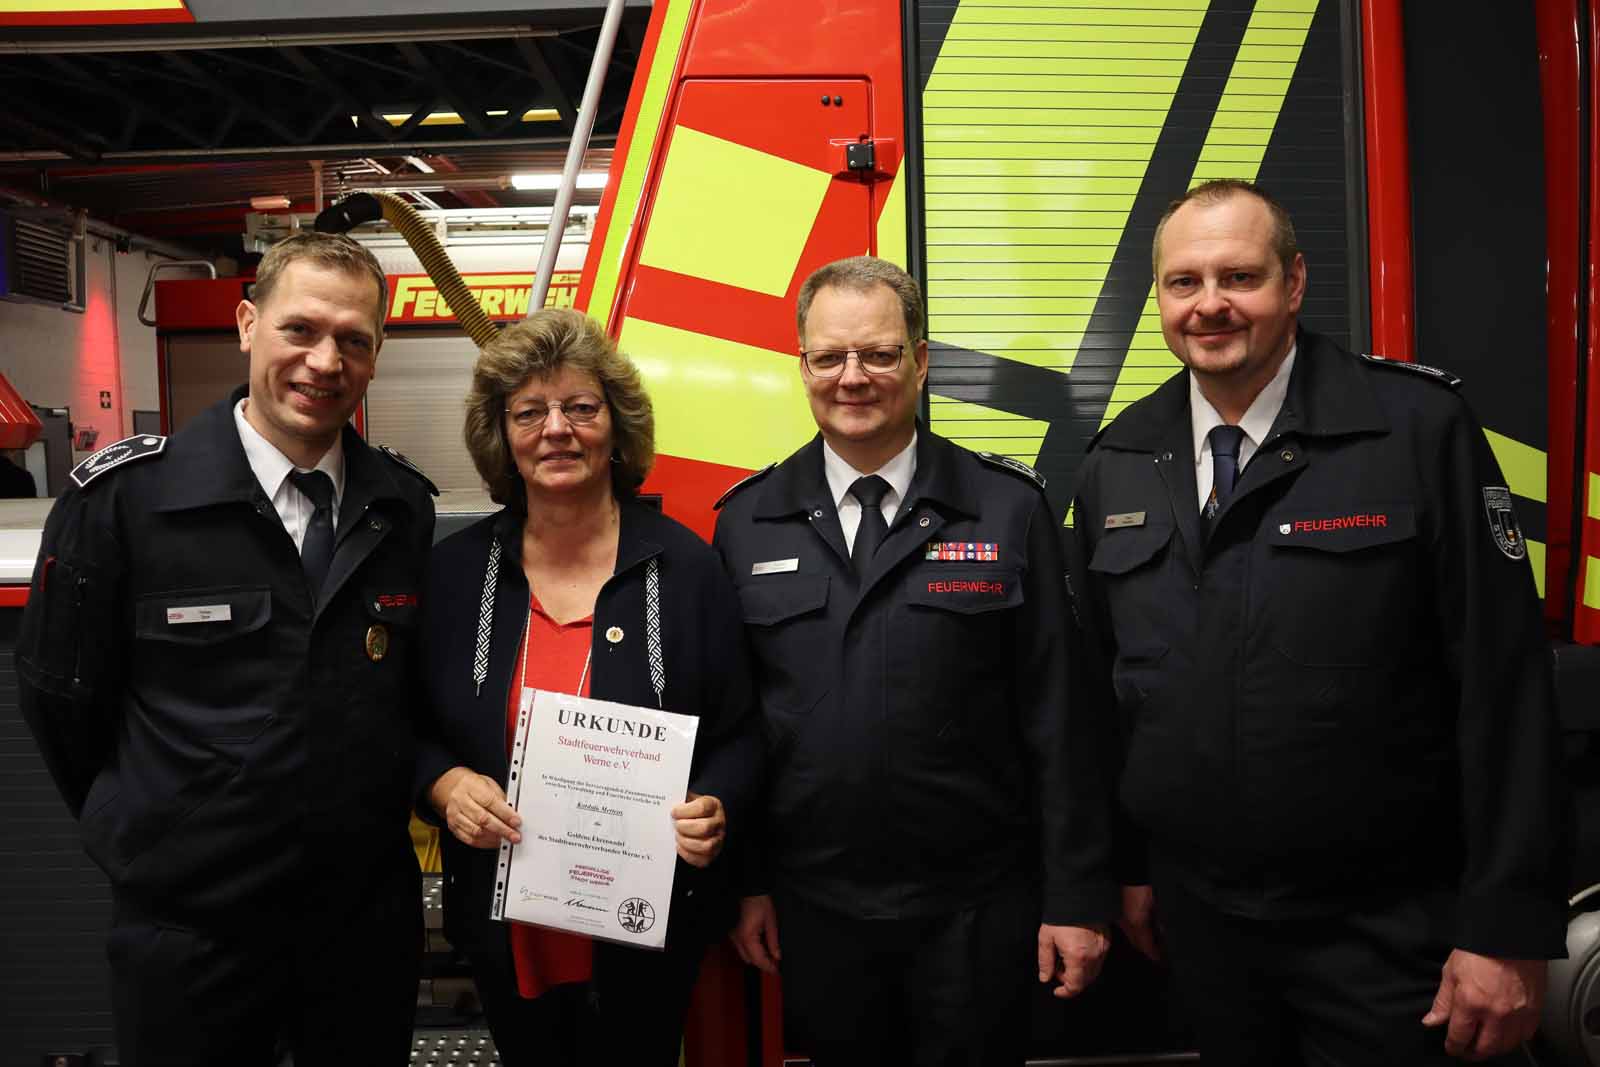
[474, 808]
[1492, 1005]
[1138, 919]
[755, 935]
[701, 828]
[1072, 955]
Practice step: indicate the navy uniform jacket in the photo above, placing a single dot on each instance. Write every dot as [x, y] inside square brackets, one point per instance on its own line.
[1346, 691]
[705, 674]
[924, 743]
[213, 764]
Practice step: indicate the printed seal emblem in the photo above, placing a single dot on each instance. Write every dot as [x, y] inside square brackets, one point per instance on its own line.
[377, 641]
[636, 915]
[1503, 522]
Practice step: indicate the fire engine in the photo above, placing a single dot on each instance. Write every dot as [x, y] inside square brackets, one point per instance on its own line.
[1014, 155]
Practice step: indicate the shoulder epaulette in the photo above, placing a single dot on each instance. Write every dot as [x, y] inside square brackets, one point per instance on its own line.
[1015, 466]
[139, 446]
[410, 466]
[748, 479]
[1443, 377]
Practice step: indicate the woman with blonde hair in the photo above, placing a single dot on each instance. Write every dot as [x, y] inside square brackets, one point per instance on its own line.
[576, 586]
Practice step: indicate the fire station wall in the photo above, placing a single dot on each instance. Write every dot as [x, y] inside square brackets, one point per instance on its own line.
[59, 358]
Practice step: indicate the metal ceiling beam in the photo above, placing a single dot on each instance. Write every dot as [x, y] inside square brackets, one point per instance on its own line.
[268, 40]
[86, 80]
[226, 93]
[361, 110]
[446, 86]
[313, 151]
[545, 73]
[41, 135]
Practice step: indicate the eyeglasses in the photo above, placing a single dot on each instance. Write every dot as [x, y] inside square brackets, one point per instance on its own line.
[830, 362]
[578, 410]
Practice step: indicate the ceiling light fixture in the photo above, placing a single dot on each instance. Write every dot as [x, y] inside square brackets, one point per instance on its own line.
[550, 182]
[451, 118]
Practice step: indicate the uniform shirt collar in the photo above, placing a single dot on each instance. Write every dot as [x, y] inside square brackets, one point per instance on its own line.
[898, 472]
[1258, 417]
[271, 466]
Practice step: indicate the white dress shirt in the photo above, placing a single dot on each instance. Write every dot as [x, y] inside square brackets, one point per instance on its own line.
[841, 476]
[1256, 424]
[272, 469]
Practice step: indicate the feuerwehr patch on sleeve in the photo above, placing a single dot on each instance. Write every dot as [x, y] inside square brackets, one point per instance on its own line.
[1503, 521]
[114, 455]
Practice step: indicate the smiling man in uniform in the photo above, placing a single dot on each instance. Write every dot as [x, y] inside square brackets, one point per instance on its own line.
[1332, 676]
[935, 829]
[216, 661]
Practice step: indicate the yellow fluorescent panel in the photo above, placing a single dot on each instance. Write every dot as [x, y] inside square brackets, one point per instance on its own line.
[747, 233]
[50, 7]
[1536, 561]
[987, 430]
[647, 127]
[719, 401]
[1591, 582]
[1594, 495]
[1125, 20]
[1248, 103]
[1523, 465]
[892, 223]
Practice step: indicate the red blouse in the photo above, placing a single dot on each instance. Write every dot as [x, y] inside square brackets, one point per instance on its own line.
[554, 657]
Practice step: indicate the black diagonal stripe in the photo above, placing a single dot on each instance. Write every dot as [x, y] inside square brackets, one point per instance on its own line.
[1075, 407]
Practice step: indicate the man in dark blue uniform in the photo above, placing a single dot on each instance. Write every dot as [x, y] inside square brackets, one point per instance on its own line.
[1332, 676]
[936, 827]
[216, 660]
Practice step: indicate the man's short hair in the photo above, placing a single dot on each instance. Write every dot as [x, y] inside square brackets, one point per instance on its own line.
[539, 347]
[333, 251]
[1220, 190]
[860, 274]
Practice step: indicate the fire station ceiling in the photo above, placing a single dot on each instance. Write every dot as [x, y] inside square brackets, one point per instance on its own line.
[170, 135]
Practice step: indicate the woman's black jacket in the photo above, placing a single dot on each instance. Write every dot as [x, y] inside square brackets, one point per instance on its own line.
[707, 674]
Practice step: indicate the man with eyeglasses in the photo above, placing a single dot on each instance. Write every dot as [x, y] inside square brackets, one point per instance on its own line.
[935, 828]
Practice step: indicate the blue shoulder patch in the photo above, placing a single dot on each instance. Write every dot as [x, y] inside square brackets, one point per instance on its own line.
[749, 479]
[410, 466]
[114, 455]
[1443, 377]
[1015, 466]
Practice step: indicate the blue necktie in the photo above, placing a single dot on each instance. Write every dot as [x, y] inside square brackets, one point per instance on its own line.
[1224, 466]
[316, 550]
[869, 492]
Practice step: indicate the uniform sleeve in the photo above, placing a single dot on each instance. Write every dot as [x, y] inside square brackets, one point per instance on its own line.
[70, 647]
[747, 850]
[1129, 861]
[733, 765]
[434, 756]
[1061, 739]
[1514, 826]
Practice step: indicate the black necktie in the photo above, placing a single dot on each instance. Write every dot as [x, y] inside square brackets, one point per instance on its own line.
[869, 535]
[1224, 466]
[316, 551]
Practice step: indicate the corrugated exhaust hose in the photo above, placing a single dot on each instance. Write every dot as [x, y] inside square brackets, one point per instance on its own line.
[359, 208]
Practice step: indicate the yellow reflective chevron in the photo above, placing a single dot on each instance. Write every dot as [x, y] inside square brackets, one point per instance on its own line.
[774, 198]
[1523, 465]
[1591, 582]
[1246, 115]
[1594, 495]
[646, 131]
[692, 374]
[892, 223]
[988, 430]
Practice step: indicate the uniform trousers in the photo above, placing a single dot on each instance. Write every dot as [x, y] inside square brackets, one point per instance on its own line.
[1342, 990]
[948, 990]
[630, 1014]
[333, 978]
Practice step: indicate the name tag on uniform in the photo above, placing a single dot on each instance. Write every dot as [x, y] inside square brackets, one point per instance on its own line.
[776, 566]
[200, 613]
[1127, 518]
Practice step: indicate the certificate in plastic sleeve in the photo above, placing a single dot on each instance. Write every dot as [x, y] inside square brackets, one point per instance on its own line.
[595, 784]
